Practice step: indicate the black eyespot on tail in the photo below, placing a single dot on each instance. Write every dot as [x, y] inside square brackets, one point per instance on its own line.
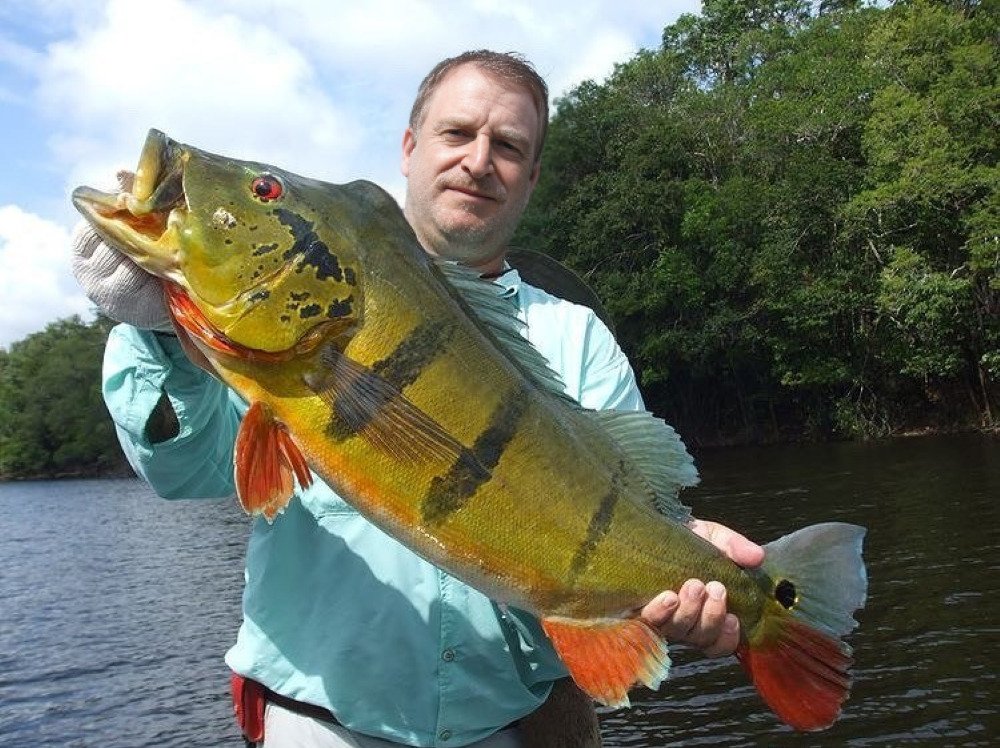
[784, 593]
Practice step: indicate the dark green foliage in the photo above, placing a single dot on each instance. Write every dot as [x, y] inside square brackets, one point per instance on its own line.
[793, 217]
[52, 418]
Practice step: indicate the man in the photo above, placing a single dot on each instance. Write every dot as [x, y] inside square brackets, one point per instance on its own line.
[355, 639]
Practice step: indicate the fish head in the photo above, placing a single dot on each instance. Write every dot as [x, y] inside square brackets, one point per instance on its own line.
[266, 258]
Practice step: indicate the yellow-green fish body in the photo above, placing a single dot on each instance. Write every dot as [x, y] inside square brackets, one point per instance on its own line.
[406, 385]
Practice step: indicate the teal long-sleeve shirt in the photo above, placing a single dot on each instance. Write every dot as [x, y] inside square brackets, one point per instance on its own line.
[335, 612]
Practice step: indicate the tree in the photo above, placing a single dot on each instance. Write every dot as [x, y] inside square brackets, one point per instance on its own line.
[929, 209]
[52, 417]
[792, 218]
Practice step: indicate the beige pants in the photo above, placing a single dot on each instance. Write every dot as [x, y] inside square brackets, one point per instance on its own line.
[566, 720]
[285, 729]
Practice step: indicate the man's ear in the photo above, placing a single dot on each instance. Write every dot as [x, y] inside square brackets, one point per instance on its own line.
[536, 170]
[409, 143]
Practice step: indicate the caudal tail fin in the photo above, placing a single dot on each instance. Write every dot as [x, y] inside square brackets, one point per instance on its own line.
[794, 654]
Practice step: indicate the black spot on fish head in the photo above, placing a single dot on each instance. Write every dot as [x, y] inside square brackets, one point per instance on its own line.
[350, 276]
[310, 310]
[309, 249]
[340, 308]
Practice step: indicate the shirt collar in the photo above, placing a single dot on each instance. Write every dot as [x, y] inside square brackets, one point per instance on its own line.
[509, 279]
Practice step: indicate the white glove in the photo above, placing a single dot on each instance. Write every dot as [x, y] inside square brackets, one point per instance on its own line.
[120, 288]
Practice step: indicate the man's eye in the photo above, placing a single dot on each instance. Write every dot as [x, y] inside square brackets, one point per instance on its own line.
[511, 148]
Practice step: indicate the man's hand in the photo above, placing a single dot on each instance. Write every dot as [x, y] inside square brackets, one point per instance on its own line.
[120, 288]
[124, 291]
[697, 614]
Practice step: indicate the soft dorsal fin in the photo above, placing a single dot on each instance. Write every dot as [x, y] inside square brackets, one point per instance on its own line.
[657, 451]
[499, 316]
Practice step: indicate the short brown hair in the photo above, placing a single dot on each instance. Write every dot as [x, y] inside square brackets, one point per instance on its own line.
[507, 66]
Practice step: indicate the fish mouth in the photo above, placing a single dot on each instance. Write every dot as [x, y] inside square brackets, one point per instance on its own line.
[141, 221]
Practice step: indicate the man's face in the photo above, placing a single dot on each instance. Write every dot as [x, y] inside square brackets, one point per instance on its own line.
[471, 167]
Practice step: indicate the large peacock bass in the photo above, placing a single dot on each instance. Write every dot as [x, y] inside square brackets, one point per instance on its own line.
[404, 382]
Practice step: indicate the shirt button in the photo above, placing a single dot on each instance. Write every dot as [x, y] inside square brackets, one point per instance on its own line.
[445, 735]
[448, 655]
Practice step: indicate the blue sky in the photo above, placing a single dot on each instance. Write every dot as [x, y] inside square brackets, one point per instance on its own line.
[320, 87]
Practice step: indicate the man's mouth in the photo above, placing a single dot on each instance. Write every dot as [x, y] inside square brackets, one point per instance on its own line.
[473, 192]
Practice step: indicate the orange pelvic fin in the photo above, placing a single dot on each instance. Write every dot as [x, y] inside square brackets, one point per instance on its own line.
[606, 657]
[266, 459]
[799, 671]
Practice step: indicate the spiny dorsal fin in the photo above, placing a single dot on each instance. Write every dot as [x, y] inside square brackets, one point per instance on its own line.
[651, 444]
[657, 451]
[499, 316]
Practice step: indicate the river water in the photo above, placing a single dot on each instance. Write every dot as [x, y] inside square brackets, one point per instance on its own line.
[116, 607]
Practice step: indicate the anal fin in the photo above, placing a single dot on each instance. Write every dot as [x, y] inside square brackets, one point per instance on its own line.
[266, 460]
[606, 657]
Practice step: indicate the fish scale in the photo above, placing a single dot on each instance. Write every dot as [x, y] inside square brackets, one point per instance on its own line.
[406, 385]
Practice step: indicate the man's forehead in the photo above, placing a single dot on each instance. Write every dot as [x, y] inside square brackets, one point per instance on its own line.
[459, 76]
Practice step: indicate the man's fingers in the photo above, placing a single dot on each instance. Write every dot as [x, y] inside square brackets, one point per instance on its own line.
[688, 613]
[696, 615]
[713, 614]
[737, 548]
[728, 639]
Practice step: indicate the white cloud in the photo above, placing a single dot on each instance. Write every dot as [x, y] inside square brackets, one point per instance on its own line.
[36, 283]
[319, 87]
[232, 86]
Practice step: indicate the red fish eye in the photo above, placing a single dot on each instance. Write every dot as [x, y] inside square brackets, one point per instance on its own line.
[267, 187]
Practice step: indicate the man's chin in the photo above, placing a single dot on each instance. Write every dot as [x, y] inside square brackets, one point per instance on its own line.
[471, 247]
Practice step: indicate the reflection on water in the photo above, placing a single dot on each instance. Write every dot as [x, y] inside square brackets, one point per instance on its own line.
[116, 607]
[115, 611]
[926, 650]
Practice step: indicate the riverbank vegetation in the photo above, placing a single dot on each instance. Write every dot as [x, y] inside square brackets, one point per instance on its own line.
[53, 422]
[791, 210]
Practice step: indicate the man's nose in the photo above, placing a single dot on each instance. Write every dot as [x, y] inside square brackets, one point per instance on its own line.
[478, 159]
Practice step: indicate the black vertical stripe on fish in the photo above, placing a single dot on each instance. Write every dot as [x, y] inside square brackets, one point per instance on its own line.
[600, 524]
[311, 250]
[365, 405]
[360, 400]
[414, 353]
[450, 492]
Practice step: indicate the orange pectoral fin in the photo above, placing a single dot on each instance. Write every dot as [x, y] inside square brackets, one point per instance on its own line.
[266, 460]
[607, 657]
